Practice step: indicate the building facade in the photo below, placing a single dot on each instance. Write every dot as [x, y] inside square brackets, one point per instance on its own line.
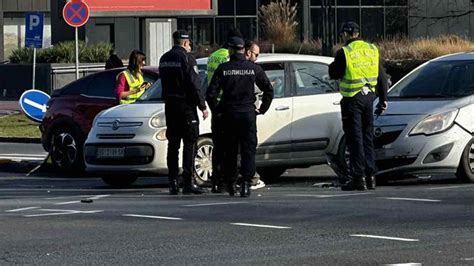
[209, 20]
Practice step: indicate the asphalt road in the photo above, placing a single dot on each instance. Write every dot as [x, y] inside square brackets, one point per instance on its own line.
[294, 220]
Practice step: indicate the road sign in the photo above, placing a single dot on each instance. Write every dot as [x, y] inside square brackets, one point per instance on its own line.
[34, 26]
[76, 13]
[33, 103]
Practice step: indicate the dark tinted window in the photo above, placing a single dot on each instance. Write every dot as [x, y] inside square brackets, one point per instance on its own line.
[103, 84]
[76, 87]
[437, 79]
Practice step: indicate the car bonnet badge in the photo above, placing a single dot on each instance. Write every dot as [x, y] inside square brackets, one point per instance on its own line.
[116, 125]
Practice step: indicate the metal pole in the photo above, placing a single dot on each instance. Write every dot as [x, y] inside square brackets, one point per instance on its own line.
[34, 68]
[77, 55]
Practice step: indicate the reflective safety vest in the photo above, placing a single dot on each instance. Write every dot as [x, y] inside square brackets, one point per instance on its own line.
[133, 83]
[362, 68]
[215, 59]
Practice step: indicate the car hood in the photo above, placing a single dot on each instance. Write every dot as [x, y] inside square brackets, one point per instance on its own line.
[402, 112]
[136, 110]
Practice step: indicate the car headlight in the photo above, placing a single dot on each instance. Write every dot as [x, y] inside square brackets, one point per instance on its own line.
[161, 135]
[435, 123]
[158, 120]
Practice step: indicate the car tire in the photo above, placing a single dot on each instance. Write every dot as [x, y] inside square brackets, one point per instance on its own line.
[203, 161]
[465, 171]
[66, 150]
[270, 173]
[119, 180]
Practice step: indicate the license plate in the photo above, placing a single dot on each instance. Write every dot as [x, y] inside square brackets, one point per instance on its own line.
[110, 152]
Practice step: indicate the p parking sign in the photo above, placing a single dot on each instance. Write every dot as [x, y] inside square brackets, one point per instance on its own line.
[34, 26]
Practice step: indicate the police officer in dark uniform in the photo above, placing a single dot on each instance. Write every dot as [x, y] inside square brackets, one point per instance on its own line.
[182, 96]
[236, 80]
[362, 78]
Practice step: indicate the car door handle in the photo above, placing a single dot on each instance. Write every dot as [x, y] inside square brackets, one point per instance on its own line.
[337, 103]
[282, 108]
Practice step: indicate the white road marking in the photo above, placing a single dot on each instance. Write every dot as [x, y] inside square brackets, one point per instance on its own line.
[98, 197]
[24, 154]
[68, 202]
[19, 158]
[68, 197]
[467, 259]
[262, 225]
[414, 199]
[450, 187]
[61, 212]
[327, 196]
[216, 203]
[153, 217]
[22, 209]
[387, 237]
[405, 264]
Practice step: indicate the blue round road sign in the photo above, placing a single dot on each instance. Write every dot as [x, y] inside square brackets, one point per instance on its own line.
[76, 13]
[33, 103]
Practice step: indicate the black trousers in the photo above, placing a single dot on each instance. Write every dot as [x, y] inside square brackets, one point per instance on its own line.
[358, 126]
[240, 130]
[217, 128]
[182, 124]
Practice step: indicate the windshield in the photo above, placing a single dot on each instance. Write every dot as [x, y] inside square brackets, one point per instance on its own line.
[153, 94]
[444, 79]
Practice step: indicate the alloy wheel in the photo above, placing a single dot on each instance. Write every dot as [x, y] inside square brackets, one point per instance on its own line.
[471, 158]
[203, 162]
[64, 150]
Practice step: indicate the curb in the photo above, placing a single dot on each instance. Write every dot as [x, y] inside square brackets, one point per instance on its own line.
[20, 140]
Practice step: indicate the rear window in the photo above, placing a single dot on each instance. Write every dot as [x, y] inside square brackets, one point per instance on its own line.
[437, 80]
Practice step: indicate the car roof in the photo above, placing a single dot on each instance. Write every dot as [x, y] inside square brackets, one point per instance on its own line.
[283, 57]
[455, 57]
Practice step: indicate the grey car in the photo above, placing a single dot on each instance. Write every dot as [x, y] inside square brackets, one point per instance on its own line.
[429, 125]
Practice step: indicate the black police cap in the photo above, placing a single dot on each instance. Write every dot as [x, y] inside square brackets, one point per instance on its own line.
[181, 34]
[236, 43]
[350, 27]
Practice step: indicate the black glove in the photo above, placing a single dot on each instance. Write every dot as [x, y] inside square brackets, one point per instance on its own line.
[380, 108]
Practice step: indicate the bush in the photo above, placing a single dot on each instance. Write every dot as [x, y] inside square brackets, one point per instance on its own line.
[278, 20]
[311, 47]
[63, 52]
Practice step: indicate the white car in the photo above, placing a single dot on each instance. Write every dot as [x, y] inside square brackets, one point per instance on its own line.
[302, 125]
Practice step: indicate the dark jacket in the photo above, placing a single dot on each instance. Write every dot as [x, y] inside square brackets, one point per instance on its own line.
[236, 79]
[179, 78]
[337, 69]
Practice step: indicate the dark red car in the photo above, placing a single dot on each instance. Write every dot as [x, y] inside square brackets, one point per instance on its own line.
[71, 111]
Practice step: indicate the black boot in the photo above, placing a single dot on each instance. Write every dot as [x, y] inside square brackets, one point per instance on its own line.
[244, 189]
[370, 181]
[231, 189]
[174, 187]
[216, 187]
[354, 184]
[191, 188]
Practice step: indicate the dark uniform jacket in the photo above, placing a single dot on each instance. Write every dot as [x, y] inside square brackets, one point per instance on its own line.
[236, 80]
[337, 69]
[179, 78]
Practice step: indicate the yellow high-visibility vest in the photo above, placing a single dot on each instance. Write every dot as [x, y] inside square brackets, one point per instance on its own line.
[362, 68]
[133, 83]
[215, 59]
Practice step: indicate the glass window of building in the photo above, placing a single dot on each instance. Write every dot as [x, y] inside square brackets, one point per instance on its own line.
[396, 21]
[348, 2]
[225, 7]
[203, 30]
[248, 27]
[318, 2]
[372, 23]
[186, 24]
[396, 2]
[371, 2]
[223, 25]
[246, 7]
[347, 14]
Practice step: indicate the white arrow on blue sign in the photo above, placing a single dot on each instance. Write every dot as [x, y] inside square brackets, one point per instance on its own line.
[33, 103]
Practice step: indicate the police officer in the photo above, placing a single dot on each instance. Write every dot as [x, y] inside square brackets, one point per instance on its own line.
[236, 79]
[181, 93]
[357, 66]
[215, 59]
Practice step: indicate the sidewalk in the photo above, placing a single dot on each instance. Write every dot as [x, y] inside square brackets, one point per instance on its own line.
[8, 107]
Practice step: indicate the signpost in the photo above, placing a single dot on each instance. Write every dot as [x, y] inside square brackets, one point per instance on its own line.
[76, 14]
[33, 103]
[34, 25]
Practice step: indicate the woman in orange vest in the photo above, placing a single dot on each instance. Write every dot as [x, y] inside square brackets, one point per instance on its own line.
[130, 82]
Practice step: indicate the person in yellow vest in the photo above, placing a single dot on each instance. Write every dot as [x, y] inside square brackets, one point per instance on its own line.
[215, 59]
[361, 79]
[130, 83]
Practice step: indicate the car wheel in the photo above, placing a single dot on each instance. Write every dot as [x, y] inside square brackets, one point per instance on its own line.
[270, 173]
[119, 180]
[465, 170]
[66, 150]
[203, 160]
